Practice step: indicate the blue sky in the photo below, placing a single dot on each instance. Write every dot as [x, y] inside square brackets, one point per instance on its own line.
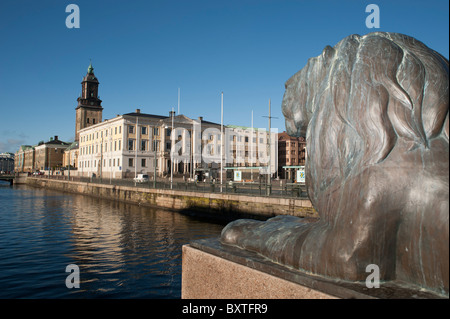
[143, 51]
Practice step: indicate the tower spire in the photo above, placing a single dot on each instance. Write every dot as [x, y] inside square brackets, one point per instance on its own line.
[90, 68]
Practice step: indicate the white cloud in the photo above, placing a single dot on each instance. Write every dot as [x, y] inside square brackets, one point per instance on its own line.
[11, 145]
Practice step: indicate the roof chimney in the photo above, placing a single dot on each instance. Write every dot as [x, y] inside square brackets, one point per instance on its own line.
[56, 137]
[138, 111]
[200, 118]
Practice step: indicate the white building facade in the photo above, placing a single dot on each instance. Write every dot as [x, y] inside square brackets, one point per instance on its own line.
[139, 143]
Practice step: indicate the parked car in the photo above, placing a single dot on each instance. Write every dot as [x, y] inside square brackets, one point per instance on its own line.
[141, 178]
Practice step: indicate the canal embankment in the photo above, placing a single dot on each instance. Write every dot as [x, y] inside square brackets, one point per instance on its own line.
[214, 205]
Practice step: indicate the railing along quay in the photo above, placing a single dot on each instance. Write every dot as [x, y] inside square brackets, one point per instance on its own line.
[277, 189]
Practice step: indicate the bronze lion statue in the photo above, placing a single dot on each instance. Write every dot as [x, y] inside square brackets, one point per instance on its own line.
[374, 110]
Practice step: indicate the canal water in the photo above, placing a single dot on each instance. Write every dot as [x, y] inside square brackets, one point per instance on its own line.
[121, 250]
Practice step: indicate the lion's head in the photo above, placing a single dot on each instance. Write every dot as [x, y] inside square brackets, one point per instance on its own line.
[355, 101]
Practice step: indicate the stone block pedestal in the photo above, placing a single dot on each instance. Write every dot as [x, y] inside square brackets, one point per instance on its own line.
[215, 271]
[206, 276]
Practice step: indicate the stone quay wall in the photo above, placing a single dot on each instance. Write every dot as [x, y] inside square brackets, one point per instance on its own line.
[218, 205]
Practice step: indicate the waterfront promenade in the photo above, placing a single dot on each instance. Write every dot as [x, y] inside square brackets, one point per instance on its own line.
[278, 188]
[199, 199]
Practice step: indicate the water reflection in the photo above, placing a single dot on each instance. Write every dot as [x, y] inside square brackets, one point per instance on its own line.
[123, 251]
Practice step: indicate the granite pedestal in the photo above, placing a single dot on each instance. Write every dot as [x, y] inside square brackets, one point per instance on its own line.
[212, 270]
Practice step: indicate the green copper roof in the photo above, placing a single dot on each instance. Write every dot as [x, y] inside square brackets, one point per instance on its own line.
[90, 69]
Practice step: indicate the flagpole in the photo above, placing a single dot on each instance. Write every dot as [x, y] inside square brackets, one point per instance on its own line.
[270, 155]
[269, 177]
[251, 149]
[137, 145]
[221, 142]
[171, 152]
[178, 101]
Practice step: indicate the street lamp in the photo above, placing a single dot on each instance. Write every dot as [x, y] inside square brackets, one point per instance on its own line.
[222, 144]
[269, 175]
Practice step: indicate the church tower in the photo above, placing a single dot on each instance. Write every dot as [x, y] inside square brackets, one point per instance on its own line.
[89, 108]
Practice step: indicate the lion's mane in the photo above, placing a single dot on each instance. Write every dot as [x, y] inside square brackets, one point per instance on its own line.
[358, 99]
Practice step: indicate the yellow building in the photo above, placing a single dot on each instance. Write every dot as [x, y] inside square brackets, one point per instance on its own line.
[19, 159]
[70, 157]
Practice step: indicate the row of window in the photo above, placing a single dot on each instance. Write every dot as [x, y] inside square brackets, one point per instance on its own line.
[143, 162]
[49, 150]
[235, 138]
[114, 162]
[239, 138]
[87, 150]
[90, 137]
[287, 152]
[292, 152]
[131, 130]
[144, 146]
[294, 160]
[117, 129]
[143, 130]
[247, 153]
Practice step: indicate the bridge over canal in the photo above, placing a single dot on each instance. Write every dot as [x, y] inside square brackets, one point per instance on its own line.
[14, 178]
[7, 178]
